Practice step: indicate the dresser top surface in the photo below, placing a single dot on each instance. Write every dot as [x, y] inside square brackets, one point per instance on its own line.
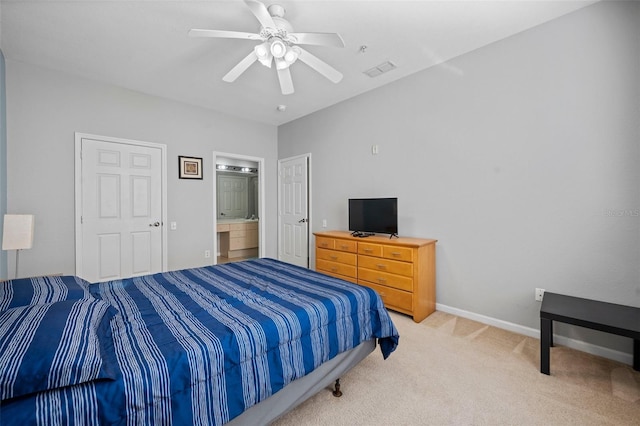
[377, 239]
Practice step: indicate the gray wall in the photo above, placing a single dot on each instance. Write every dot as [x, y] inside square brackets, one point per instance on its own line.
[521, 158]
[45, 108]
[3, 168]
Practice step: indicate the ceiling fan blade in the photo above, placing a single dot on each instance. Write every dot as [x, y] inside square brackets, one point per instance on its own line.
[286, 83]
[319, 65]
[261, 12]
[240, 68]
[317, 39]
[224, 34]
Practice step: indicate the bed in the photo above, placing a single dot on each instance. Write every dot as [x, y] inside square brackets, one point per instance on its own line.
[241, 342]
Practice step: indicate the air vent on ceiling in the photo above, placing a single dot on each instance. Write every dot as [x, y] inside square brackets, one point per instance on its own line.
[380, 69]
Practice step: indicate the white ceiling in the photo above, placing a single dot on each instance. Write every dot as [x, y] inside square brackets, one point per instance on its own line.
[143, 45]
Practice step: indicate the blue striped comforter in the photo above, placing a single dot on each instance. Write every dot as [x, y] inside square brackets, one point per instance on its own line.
[200, 346]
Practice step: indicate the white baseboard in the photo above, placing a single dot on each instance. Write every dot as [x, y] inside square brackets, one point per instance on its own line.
[623, 357]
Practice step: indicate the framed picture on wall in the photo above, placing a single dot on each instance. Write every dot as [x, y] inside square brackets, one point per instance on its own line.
[190, 167]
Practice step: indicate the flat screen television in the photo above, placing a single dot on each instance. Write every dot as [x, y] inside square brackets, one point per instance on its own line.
[373, 215]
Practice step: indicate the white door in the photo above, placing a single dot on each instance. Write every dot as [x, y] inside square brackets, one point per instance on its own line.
[293, 211]
[121, 222]
[232, 196]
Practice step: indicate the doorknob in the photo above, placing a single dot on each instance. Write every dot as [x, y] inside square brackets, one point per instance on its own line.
[303, 220]
[155, 224]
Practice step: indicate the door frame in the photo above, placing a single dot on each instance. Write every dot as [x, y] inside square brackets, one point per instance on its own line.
[261, 200]
[78, 190]
[309, 203]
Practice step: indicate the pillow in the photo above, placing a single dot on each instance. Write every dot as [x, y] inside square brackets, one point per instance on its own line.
[53, 345]
[36, 291]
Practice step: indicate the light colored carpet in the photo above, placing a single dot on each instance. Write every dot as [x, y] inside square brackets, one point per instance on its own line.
[452, 371]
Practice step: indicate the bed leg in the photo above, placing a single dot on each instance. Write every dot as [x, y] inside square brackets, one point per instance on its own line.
[337, 392]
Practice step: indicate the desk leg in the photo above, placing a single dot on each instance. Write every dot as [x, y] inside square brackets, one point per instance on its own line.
[636, 354]
[545, 343]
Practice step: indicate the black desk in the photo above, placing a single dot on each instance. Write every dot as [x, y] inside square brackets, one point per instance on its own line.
[612, 318]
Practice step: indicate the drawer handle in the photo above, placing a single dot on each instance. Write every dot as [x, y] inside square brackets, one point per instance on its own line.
[395, 253]
[333, 257]
[368, 250]
[343, 247]
[324, 244]
[381, 266]
[334, 269]
[382, 280]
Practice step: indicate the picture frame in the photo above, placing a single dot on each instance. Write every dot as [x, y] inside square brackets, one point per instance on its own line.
[189, 167]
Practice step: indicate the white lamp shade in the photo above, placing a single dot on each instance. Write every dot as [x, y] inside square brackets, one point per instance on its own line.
[18, 231]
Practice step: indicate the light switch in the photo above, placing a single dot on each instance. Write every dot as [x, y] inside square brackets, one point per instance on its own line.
[374, 149]
[174, 226]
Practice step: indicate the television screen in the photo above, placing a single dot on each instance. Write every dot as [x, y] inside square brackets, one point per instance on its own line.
[373, 215]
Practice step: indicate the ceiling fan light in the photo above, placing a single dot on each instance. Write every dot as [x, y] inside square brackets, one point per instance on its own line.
[278, 48]
[263, 54]
[291, 56]
[262, 51]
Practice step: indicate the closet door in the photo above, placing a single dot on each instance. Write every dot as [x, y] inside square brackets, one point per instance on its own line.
[121, 213]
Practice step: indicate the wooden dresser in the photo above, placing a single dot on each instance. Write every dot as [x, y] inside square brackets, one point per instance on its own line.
[401, 270]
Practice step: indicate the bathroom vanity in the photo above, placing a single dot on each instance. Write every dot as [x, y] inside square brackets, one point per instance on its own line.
[238, 237]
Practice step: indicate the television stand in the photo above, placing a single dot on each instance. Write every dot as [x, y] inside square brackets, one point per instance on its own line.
[402, 270]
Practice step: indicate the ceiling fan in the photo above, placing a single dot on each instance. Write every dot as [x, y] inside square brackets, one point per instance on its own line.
[279, 44]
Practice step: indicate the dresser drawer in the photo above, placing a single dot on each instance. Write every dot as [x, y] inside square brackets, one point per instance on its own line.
[386, 265]
[385, 279]
[337, 256]
[326, 243]
[336, 244]
[249, 241]
[237, 230]
[237, 243]
[370, 249]
[237, 227]
[348, 246]
[241, 233]
[336, 268]
[398, 253]
[392, 298]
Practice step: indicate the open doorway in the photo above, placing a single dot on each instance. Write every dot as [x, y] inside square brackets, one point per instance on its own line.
[238, 210]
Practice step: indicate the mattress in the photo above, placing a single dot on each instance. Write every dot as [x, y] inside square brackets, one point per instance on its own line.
[196, 346]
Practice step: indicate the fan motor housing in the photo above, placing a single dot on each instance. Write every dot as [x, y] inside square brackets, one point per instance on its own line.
[276, 11]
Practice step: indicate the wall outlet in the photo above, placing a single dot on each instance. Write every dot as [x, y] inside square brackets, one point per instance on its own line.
[324, 223]
[207, 254]
[539, 294]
